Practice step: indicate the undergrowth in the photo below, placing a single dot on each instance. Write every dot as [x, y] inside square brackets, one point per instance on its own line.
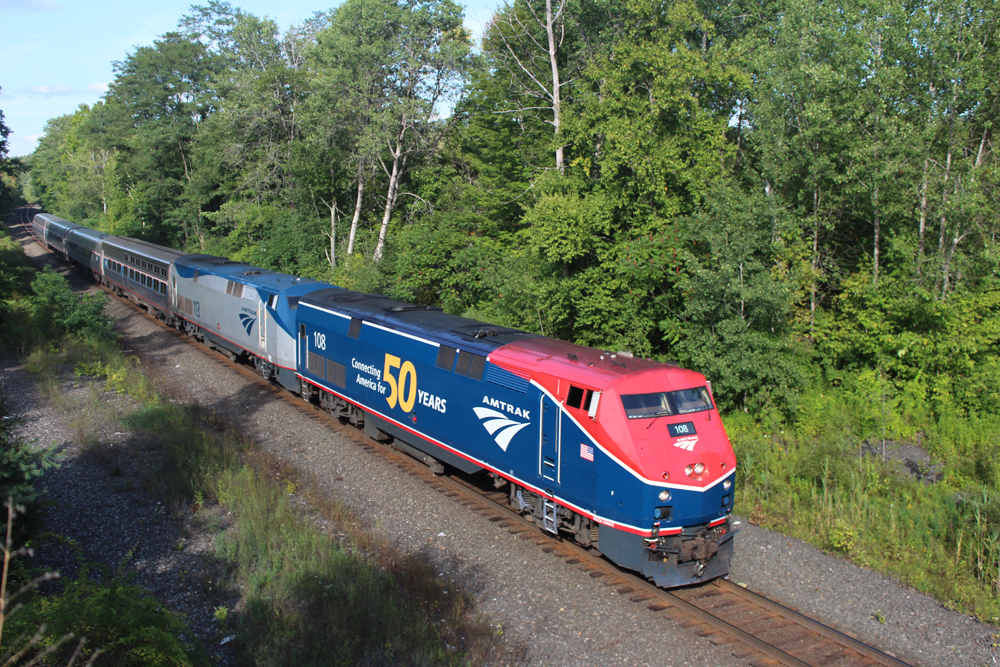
[935, 526]
[311, 598]
[122, 624]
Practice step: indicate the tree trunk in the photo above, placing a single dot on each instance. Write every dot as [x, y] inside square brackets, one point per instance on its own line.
[556, 100]
[398, 162]
[815, 262]
[878, 233]
[943, 227]
[923, 217]
[333, 234]
[357, 212]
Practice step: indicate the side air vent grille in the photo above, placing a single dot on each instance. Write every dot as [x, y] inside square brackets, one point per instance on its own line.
[499, 376]
[471, 365]
[336, 373]
[355, 330]
[446, 357]
[316, 365]
[234, 288]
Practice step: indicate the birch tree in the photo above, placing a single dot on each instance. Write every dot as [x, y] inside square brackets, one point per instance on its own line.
[526, 41]
[402, 63]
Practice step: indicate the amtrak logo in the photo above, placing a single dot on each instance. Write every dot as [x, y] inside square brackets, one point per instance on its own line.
[687, 443]
[248, 322]
[499, 425]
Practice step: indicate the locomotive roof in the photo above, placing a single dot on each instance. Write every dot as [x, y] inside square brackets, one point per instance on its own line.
[246, 273]
[426, 321]
[587, 365]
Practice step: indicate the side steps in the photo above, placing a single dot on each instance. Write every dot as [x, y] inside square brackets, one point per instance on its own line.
[549, 510]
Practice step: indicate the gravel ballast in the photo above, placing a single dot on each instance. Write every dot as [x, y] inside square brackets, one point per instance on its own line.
[561, 614]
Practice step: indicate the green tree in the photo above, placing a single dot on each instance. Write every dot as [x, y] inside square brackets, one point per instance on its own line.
[256, 128]
[405, 61]
[649, 142]
[159, 98]
[9, 169]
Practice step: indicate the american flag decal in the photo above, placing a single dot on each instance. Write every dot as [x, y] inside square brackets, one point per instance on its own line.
[586, 452]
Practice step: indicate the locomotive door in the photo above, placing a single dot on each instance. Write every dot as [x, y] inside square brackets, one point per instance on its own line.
[549, 450]
[262, 324]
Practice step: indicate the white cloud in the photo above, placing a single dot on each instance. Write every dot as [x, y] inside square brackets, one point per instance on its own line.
[49, 91]
[98, 87]
[30, 5]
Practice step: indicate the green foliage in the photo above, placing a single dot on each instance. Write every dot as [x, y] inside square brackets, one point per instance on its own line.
[22, 463]
[820, 480]
[58, 311]
[311, 599]
[16, 273]
[127, 625]
[737, 305]
[10, 170]
[945, 349]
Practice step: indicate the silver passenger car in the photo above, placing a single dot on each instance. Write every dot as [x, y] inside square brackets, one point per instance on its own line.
[140, 271]
[84, 246]
[52, 230]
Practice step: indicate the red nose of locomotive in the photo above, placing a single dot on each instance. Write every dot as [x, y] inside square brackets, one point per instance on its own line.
[669, 417]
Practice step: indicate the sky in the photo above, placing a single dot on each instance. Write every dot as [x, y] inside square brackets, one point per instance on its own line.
[58, 54]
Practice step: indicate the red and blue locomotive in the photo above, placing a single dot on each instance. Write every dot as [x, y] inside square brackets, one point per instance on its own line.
[626, 455]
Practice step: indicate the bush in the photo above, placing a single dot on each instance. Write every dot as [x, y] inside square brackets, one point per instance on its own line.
[58, 311]
[20, 464]
[125, 623]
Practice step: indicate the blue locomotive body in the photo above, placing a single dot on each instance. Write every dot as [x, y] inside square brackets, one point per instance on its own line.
[428, 380]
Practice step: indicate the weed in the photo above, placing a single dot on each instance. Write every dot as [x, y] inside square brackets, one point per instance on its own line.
[842, 537]
[21, 464]
[942, 538]
[222, 616]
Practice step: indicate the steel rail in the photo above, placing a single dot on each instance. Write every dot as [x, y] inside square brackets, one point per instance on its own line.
[827, 631]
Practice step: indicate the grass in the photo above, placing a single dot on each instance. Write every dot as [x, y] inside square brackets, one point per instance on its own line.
[942, 538]
[299, 583]
[311, 596]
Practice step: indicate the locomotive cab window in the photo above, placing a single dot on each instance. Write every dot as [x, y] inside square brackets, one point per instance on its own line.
[663, 403]
[579, 398]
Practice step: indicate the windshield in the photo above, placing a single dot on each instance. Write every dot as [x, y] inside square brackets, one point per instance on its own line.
[659, 404]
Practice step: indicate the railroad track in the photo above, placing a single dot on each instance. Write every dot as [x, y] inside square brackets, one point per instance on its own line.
[758, 630]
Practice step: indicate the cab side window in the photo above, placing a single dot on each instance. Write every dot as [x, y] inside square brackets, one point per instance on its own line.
[579, 397]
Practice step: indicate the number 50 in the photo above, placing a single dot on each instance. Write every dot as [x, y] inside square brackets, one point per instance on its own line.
[405, 392]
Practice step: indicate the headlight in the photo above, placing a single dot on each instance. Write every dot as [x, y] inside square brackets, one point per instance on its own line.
[664, 495]
[699, 468]
[688, 470]
[727, 484]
